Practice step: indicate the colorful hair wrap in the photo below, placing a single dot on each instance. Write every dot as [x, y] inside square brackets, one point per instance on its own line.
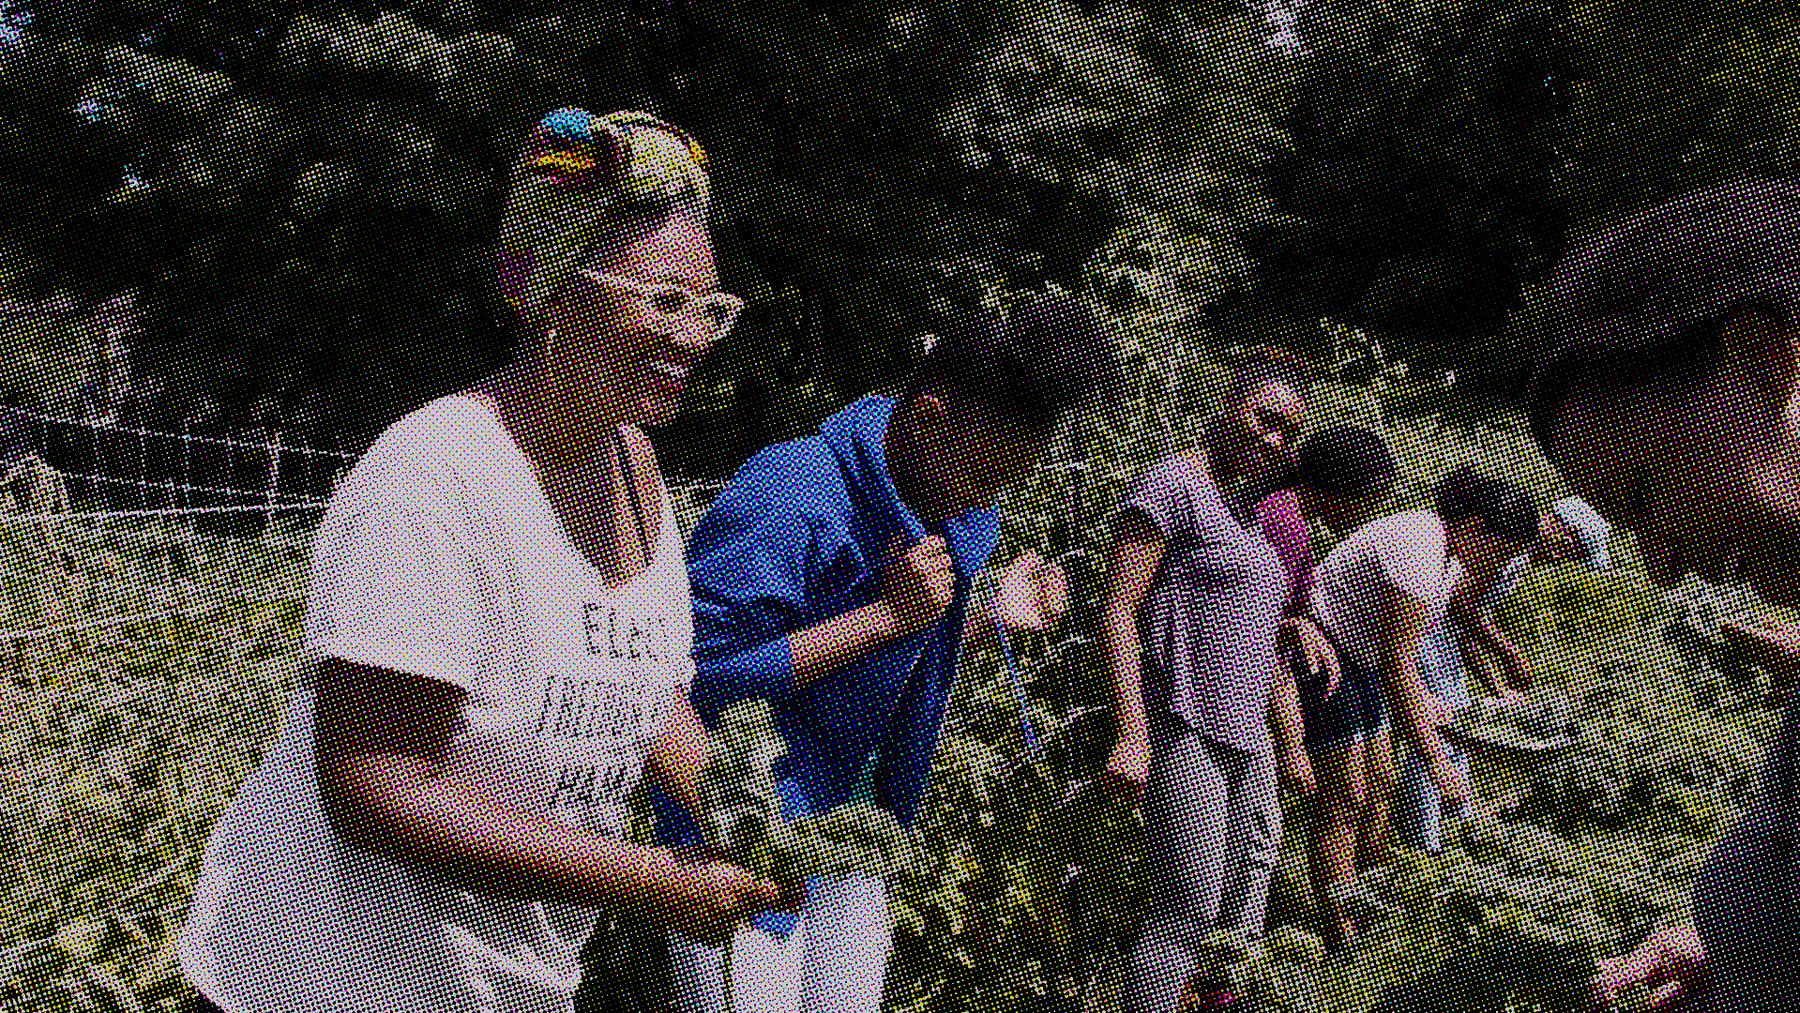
[576, 171]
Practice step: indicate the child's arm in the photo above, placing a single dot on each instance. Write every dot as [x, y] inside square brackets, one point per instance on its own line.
[1476, 622]
[1415, 708]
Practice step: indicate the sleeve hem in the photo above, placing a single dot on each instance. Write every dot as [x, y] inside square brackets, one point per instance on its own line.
[1144, 511]
[765, 671]
[414, 659]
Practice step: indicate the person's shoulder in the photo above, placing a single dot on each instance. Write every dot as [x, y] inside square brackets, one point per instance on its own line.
[1176, 471]
[434, 447]
[1423, 524]
[444, 431]
[1408, 530]
[793, 479]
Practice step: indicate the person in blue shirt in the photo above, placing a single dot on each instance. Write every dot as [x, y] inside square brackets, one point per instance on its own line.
[832, 577]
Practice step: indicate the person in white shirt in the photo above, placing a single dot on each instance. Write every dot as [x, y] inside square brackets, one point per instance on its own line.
[497, 637]
[1570, 529]
[1375, 596]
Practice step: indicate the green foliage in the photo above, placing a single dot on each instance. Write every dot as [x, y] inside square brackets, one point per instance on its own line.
[111, 775]
[1531, 726]
[744, 818]
[1418, 193]
[1696, 612]
[1674, 95]
[49, 348]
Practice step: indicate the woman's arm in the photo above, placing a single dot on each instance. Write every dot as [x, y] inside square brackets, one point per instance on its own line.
[1136, 553]
[1487, 636]
[678, 760]
[1415, 708]
[382, 738]
[1286, 722]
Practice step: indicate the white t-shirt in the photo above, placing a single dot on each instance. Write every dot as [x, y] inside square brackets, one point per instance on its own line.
[1403, 551]
[440, 556]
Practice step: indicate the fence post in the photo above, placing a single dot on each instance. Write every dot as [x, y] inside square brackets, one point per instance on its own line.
[274, 479]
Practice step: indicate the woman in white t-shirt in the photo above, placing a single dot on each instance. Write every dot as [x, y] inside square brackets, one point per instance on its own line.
[1375, 596]
[498, 631]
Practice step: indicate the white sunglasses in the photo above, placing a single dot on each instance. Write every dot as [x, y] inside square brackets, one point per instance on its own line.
[717, 312]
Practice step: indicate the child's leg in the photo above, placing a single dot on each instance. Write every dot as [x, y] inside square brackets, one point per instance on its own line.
[1417, 817]
[1332, 849]
[1375, 840]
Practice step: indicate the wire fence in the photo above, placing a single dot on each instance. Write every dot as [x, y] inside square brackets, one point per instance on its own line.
[166, 526]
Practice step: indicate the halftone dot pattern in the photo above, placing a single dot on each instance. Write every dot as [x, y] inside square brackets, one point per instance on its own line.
[1246, 632]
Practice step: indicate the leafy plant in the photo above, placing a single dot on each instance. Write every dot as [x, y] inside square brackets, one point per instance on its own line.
[745, 820]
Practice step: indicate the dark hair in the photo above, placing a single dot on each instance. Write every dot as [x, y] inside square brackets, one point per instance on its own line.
[1260, 364]
[1047, 356]
[1504, 508]
[1644, 300]
[1346, 460]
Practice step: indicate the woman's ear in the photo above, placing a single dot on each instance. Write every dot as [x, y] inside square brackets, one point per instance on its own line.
[1761, 350]
[930, 412]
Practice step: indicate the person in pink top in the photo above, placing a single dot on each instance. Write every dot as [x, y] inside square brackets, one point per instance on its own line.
[1284, 525]
[1338, 477]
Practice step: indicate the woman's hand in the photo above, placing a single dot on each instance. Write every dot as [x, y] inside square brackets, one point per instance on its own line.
[708, 899]
[1295, 768]
[1671, 961]
[1320, 655]
[1129, 765]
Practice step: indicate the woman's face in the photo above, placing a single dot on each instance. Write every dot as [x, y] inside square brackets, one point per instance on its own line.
[617, 355]
[1262, 428]
[1706, 471]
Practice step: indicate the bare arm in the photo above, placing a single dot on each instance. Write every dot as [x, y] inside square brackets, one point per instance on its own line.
[679, 757]
[1290, 730]
[382, 738]
[1136, 553]
[832, 643]
[1487, 634]
[1411, 702]
[1483, 635]
[1030, 594]
[917, 582]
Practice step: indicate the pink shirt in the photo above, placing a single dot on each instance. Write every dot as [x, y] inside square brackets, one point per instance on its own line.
[1285, 528]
